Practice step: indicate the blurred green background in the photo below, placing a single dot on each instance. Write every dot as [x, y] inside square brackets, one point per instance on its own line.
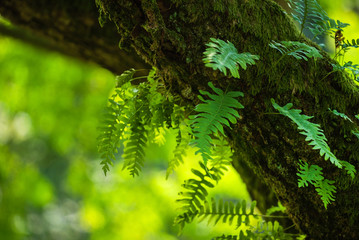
[51, 182]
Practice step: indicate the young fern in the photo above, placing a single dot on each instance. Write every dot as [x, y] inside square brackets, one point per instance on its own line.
[296, 49]
[219, 110]
[222, 55]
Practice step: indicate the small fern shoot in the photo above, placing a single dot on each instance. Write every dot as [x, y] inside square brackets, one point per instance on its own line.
[219, 110]
[222, 55]
[298, 50]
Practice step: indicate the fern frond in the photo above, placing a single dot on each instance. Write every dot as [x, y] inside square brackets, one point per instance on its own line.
[182, 140]
[339, 114]
[227, 212]
[194, 195]
[298, 50]
[308, 13]
[134, 146]
[107, 139]
[352, 69]
[313, 174]
[221, 157]
[222, 55]
[125, 77]
[314, 134]
[219, 110]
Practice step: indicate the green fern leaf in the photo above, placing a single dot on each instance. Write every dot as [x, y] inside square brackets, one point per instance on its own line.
[342, 115]
[222, 55]
[219, 110]
[125, 77]
[314, 135]
[313, 175]
[296, 49]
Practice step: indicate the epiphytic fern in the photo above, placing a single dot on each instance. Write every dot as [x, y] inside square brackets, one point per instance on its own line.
[219, 110]
[134, 111]
[352, 69]
[314, 134]
[221, 157]
[296, 49]
[114, 121]
[222, 55]
[313, 174]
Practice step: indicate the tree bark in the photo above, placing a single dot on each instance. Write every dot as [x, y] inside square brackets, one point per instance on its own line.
[171, 36]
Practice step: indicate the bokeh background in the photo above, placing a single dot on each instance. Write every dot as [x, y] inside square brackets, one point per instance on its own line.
[51, 182]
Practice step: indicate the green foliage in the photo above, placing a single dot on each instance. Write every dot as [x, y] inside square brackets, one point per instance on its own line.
[219, 110]
[308, 13]
[226, 211]
[279, 208]
[263, 230]
[352, 69]
[313, 174]
[296, 49]
[314, 135]
[134, 114]
[222, 55]
[342, 115]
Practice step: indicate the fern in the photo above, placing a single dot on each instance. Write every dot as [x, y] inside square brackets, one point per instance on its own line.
[194, 196]
[221, 157]
[353, 69]
[308, 13]
[313, 174]
[296, 49]
[215, 112]
[182, 140]
[279, 208]
[342, 115]
[314, 135]
[222, 55]
[226, 211]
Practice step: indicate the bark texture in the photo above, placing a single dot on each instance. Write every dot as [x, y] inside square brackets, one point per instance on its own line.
[171, 35]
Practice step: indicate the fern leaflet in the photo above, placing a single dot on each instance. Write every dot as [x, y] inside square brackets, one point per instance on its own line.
[296, 49]
[222, 55]
[215, 112]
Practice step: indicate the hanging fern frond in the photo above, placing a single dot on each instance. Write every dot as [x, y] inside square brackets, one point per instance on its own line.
[107, 140]
[137, 141]
[296, 49]
[352, 69]
[182, 140]
[222, 55]
[219, 110]
[279, 208]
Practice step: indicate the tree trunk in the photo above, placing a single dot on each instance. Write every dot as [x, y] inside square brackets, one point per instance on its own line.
[171, 36]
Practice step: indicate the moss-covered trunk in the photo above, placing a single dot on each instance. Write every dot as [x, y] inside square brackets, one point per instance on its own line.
[171, 35]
